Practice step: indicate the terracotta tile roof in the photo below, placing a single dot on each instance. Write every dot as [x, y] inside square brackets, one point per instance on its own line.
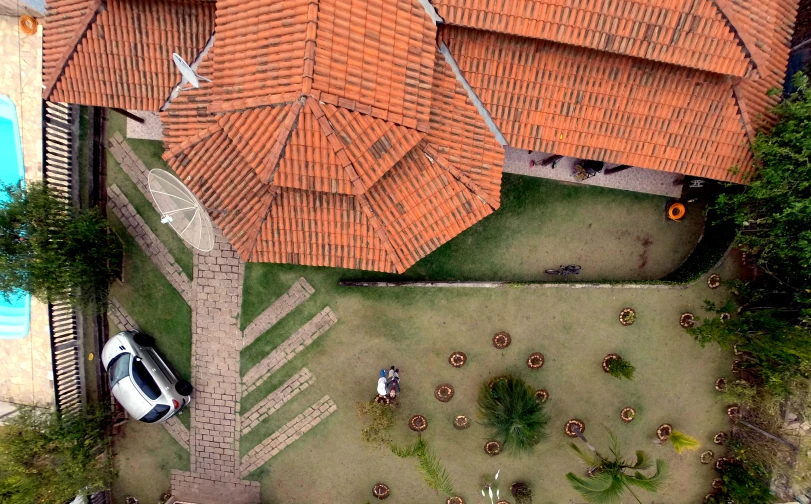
[421, 206]
[122, 56]
[65, 23]
[579, 102]
[691, 33]
[329, 185]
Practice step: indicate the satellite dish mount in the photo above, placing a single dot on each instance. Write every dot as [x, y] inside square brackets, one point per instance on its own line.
[189, 75]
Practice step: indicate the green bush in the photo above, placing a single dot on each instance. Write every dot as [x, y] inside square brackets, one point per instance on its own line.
[620, 368]
[746, 485]
[379, 418]
[53, 251]
[512, 414]
[48, 459]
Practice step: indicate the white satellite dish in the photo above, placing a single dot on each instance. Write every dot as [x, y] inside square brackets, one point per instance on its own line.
[181, 210]
[189, 75]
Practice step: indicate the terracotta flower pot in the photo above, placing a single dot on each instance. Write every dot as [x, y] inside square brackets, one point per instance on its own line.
[418, 423]
[457, 359]
[381, 491]
[733, 411]
[687, 320]
[541, 395]
[492, 448]
[724, 316]
[444, 392]
[627, 414]
[461, 422]
[502, 340]
[721, 463]
[608, 358]
[706, 457]
[569, 430]
[717, 484]
[720, 438]
[535, 360]
[714, 281]
[627, 316]
[455, 500]
[664, 431]
[721, 384]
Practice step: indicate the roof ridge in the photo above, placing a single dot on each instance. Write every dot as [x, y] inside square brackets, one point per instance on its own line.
[358, 189]
[271, 161]
[191, 141]
[274, 191]
[434, 156]
[749, 52]
[62, 62]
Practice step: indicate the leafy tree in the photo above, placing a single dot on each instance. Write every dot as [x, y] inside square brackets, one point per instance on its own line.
[611, 476]
[774, 211]
[49, 459]
[513, 415]
[744, 485]
[776, 350]
[49, 249]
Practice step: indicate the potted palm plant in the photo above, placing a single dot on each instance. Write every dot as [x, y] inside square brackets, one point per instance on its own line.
[614, 365]
[512, 414]
[610, 476]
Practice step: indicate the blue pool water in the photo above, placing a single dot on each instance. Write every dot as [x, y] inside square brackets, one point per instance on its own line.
[16, 313]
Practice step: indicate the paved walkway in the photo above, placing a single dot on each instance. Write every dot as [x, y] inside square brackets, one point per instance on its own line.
[276, 399]
[282, 354]
[633, 179]
[149, 242]
[27, 377]
[297, 294]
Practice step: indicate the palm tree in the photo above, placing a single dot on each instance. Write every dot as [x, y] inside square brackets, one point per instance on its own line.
[512, 414]
[611, 476]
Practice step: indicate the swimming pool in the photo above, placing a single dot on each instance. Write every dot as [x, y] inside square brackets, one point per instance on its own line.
[16, 313]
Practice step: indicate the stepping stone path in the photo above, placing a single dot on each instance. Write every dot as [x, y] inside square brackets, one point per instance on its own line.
[297, 294]
[149, 242]
[317, 326]
[276, 399]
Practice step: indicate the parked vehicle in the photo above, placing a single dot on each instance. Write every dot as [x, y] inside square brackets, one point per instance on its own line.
[140, 379]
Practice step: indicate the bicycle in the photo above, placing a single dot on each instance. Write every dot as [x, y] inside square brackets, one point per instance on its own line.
[571, 269]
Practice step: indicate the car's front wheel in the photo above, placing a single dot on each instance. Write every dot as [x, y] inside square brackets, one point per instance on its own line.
[143, 340]
[183, 387]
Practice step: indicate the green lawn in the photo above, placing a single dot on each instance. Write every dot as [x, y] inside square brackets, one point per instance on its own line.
[150, 153]
[416, 330]
[154, 304]
[612, 234]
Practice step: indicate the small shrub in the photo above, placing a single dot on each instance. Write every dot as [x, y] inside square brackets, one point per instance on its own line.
[512, 414]
[682, 442]
[619, 368]
[746, 485]
[740, 392]
[379, 419]
[522, 493]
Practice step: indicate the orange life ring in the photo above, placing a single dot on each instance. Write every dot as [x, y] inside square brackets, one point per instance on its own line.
[28, 25]
[676, 211]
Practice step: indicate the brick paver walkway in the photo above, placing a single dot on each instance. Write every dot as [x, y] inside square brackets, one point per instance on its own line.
[297, 294]
[276, 399]
[317, 326]
[119, 316]
[288, 433]
[216, 342]
[178, 431]
[149, 242]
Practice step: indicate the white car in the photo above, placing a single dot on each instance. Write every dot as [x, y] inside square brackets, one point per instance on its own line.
[141, 381]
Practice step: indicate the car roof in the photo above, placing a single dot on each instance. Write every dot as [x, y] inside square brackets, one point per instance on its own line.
[127, 393]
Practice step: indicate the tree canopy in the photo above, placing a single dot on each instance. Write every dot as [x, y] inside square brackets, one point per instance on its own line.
[48, 248]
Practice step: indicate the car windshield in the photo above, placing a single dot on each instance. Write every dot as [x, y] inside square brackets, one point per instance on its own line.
[144, 380]
[119, 368]
[156, 413]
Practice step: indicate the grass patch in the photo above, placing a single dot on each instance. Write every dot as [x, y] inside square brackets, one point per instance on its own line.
[154, 304]
[115, 175]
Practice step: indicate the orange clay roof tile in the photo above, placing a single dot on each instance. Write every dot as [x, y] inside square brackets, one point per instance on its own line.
[595, 105]
[124, 58]
[692, 33]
